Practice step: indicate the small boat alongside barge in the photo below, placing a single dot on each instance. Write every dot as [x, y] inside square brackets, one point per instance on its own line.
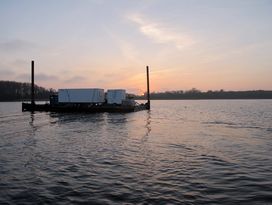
[90, 100]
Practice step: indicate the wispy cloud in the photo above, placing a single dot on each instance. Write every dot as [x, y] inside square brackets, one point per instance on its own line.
[127, 49]
[20, 64]
[16, 45]
[75, 79]
[5, 70]
[161, 33]
[24, 77]
[4, 73]
[38, 77]
[45, 77]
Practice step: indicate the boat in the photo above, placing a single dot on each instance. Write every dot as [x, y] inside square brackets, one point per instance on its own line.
[87, 100]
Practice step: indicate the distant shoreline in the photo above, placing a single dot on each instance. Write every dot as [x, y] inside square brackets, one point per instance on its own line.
[194, 99]
[17, 92]
[195, 94]
[214, 99]
[38, 100]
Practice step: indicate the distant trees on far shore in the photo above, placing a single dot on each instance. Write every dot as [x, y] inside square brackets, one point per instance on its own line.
[217, 94]
[16, 91]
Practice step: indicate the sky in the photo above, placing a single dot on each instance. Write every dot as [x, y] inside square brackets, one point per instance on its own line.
[203, 44]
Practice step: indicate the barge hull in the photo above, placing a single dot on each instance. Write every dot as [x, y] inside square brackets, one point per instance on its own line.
[83, 108]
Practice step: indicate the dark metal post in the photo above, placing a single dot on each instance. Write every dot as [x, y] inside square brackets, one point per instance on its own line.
[32, 84]
[148, 92]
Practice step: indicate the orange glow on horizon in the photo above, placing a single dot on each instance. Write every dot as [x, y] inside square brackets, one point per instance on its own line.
[133, 79]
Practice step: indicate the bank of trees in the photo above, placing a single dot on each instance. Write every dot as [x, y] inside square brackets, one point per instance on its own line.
[16, 91]
[218, 94]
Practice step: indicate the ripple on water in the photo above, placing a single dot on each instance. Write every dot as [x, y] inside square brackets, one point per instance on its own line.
[182, 152]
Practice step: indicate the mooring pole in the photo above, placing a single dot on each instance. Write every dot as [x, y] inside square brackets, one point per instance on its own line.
[148, 92]
[32, 84]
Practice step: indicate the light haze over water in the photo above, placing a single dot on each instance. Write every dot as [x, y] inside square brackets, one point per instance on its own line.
[180, 152]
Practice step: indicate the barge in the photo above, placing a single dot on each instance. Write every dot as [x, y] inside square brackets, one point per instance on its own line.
[87, 100]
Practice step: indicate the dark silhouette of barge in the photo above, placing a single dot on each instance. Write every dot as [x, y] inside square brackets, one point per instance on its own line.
[67, 107]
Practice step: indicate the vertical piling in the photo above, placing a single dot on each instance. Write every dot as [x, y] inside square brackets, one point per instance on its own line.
[32, 85]
[148, 91]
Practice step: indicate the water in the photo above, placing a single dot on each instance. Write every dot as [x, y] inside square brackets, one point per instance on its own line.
[181, 152]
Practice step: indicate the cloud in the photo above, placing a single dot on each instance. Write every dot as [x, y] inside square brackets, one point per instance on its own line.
[45, 77]
[19, 63]
[127, 48]
[16, 45]
[6, 72]
[75, 79]
[23, 77]
[161, 34]
[129, 51]
[38, 77]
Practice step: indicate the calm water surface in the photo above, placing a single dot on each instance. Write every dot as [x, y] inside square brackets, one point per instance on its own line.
[181, 152]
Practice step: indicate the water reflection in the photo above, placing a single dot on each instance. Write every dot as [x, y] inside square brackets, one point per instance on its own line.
[29, 145]
[32, 116]
[66, 118]
[165, 156]
[32, 124]
[147, 125]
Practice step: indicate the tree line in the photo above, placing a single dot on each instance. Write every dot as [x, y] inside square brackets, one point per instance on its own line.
[217, 94]
[17, 91]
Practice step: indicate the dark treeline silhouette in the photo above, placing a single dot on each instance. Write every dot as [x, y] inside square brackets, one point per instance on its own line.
[220, 94]
[15, 91]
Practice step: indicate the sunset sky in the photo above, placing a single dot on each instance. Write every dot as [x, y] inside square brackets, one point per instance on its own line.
[203, 44]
